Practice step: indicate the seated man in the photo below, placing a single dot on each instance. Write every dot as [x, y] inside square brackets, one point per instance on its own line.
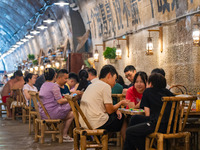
[15, 83]
[97, 105]
[129, 72]
[61, 80]
[92, 75]
[71, 81]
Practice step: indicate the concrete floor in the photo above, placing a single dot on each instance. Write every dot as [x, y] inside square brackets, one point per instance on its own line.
[14, 136]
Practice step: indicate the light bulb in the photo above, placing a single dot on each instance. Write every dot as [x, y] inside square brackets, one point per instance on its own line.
[36, 68]
[42, 67]
[57, 64]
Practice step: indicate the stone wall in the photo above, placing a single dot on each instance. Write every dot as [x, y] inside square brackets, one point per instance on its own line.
[108, 19]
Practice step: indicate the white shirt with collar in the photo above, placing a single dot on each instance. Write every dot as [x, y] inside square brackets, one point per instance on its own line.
[94, 80]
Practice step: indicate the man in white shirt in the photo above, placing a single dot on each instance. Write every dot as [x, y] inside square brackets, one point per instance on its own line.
[92, 75]
[97, 105]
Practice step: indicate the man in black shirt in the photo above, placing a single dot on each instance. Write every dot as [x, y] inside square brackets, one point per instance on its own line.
[141, 126]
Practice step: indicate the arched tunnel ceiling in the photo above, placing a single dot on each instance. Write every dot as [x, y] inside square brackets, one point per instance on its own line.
[17, 18]
[13, 16]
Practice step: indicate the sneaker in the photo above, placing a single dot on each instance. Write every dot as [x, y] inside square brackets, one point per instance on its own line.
[67, 139]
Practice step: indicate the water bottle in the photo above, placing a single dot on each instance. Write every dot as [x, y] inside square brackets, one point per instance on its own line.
[198, 102]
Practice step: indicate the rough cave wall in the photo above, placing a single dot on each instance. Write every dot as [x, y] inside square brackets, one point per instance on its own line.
[112, 18]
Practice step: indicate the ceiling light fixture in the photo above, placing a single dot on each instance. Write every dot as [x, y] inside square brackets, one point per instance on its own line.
[29, 36]
[24, 40]
[15, 46]
[42, 27]
[49, 20]
[19, 43]
[34, 32]
[61, 3]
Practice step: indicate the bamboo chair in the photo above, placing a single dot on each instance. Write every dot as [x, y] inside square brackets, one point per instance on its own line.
[19, 103]
[118, 139]
[84, 133]
[179, 89]
[3, 108]
[32, 115]
[25, 109]
[192, 123]
[178, 124]
[47, 126]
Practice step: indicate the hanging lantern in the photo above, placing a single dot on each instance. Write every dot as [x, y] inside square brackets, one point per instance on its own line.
[195, 36]
[57, 64]
[118, 52]
[31, 69]
[149, 46]
[42, 67]
[96, 56]
[36, 68]
[48, 65]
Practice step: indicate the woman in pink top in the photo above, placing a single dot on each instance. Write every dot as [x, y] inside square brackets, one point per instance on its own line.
[134, 93]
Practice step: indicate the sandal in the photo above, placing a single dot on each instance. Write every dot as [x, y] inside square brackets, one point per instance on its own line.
[67, 139]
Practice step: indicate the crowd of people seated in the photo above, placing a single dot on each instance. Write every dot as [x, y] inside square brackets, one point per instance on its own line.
[95, 99]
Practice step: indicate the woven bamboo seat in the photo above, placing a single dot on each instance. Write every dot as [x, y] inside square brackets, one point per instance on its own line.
[3, 108]
[84, 133]
[47, 126]
[17, 103]
[25, 108]
[180, 118]
[32, 115]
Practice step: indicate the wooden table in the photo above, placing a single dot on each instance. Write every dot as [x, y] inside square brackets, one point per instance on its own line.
[193, 126]
[119, 96]
[194, 113]
[131, 112]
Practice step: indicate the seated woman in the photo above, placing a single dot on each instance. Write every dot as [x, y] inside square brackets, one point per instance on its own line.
[120, 80]
[134, 93]
[141, 126]
[56, 106]
[29, 86]
[83, 82]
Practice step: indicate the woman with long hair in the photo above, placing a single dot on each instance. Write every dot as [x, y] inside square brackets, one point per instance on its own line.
[83, 82]
[134, 93]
